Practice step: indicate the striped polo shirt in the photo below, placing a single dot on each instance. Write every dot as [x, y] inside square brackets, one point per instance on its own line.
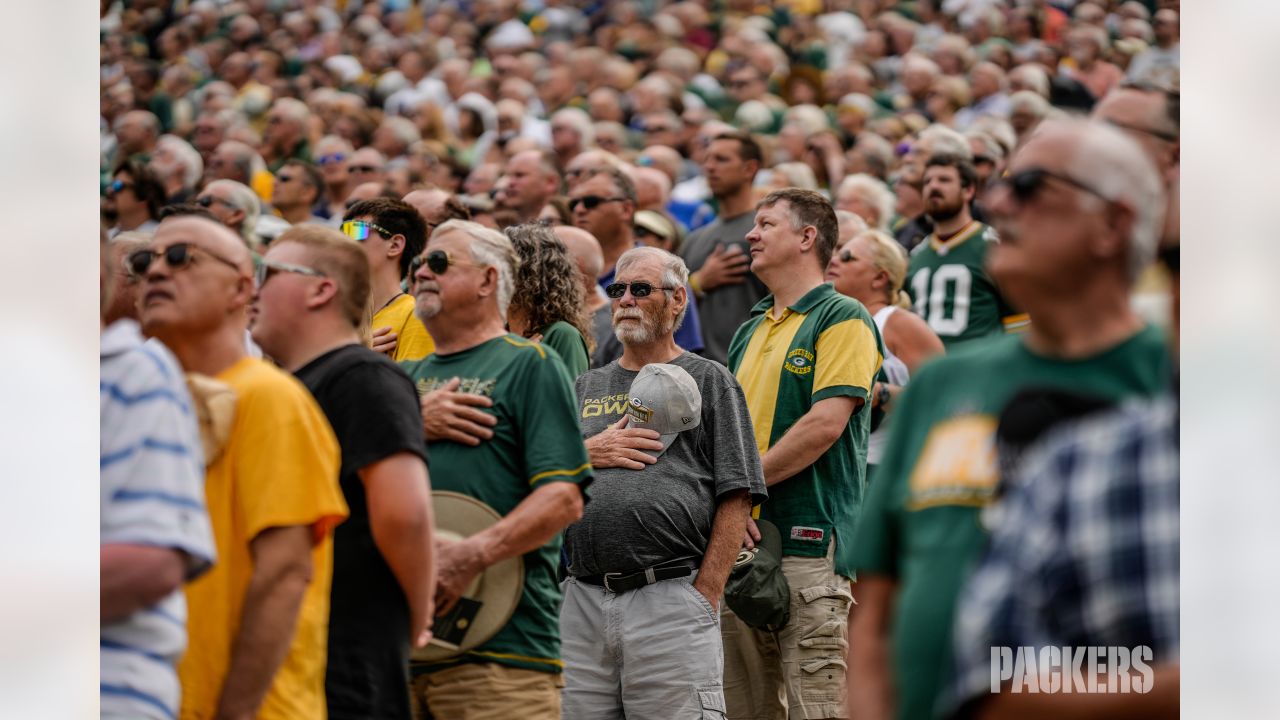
[152, 492]
[825, 345]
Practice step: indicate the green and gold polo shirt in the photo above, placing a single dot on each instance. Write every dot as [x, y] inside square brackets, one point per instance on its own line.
[825, 345]
[537, 441]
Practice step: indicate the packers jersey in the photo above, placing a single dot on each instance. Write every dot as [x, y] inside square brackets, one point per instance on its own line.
[950, 288]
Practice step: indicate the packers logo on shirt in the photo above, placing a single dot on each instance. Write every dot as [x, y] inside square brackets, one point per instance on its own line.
[799, 361]
[957, 464]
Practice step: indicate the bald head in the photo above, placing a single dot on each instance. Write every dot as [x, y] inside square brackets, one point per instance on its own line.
[429, 204]
[653, 188]
[364, 191]
[585, 251]
[663, 158]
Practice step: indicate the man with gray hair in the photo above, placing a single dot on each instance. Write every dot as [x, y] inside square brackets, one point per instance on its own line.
[285, 136]
[235, 205]
[530, 470]
[571, 133]
[137, 132]
[234, 160]
[177, 166]
[1079, 214]
[677, 472]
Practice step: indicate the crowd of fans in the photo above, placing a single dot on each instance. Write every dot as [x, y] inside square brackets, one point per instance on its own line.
[547, 141]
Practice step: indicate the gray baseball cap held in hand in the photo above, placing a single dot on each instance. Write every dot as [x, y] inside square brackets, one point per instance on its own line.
[665, 398]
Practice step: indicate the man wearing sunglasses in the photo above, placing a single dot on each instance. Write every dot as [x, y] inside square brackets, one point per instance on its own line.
[235, 205]
[333, 156]
[257, 620]
[392, 234]
[604, 204]
[312, 289]
[806, 359]
[1078, 214]
[297, 191]
[133, 199]
[530, 468]
[947, 279]
[653, 551]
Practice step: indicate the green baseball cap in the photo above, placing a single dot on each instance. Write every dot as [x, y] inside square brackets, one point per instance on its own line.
[757, 591]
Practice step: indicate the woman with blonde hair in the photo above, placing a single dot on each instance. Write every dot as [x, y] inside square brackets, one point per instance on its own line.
[871, 268]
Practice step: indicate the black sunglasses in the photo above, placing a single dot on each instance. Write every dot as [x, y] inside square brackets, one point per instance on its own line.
[176, 256]
[591, 202]
[639, 289]
[209, 200]
[438, 262]
[1024, 184]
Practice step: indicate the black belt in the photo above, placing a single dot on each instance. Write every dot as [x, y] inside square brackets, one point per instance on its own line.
[620, 583]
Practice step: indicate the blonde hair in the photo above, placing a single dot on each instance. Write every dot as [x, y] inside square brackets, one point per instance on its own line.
[341, 260]
[888, 255]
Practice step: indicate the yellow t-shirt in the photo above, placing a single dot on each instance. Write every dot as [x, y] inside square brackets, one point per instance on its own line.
[412, 340]
[279, 468]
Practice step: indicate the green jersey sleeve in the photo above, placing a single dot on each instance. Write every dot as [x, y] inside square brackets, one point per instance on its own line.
[549, 429]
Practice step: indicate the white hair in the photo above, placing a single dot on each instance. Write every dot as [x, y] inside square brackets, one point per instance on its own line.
[187, 156]
[1034, 75]
[404, 129]
[1029, 101]
[580, 121]
[915, 61]
[796, 174]
[1117, 168]
[295, 109]
[489, 247]
[810, 118]
[874, 192]
[243, 198]
[849, 224]
[942, 139]
[674, 272]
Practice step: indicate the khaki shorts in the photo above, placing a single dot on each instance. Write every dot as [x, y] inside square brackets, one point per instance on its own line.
[487, 691]
[799, 671]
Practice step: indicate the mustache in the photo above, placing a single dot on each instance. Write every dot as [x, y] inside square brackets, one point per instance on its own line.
[423, 285]
[625, 313]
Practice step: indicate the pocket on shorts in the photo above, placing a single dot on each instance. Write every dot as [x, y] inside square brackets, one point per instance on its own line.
[711, 700]
[823, 624]
[701, 600]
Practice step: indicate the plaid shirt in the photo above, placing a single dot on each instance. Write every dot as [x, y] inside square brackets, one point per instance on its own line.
[1084, 550]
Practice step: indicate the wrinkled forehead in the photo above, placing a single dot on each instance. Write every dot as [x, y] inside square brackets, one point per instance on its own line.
[204, 234]
[645, 269]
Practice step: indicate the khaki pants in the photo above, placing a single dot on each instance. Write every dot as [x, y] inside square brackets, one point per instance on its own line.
[487, 691]
[799, 671]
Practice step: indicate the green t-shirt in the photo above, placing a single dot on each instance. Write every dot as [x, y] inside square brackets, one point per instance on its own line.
[921, 523]
[825, 345]
[537, 440]
[950, 288]
[569, 345]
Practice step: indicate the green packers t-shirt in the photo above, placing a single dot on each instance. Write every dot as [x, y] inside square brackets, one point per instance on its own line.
[950, 288]
[825, 345]
[921, 523]
[569, 345]
[537, 440]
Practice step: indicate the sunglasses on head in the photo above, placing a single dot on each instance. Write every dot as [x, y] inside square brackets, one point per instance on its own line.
[639, 289]
[359, 229]
[438, 262]
[177, 256]
[116, 186]
[266, 268]
[591, 202]
[1024, 184]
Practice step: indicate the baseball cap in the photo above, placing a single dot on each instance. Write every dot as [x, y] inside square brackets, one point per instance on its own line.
[665, 398]
[757, 591]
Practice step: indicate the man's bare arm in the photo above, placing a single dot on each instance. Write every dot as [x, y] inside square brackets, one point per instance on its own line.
[722, 548]
[281, 572]
[870, 680]
[136, 577]
[400, 517]
[811, 436]
[550, 509]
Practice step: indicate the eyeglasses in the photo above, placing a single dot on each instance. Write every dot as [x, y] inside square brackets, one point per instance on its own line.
[658, 128]
[266, 268]
[116, 186]
[639, 289]
[438, 262]
[363, 169]
[282, 178]
[333, 159]
[359, 229]
[208, 200]
[176, 256]
[1024, 184]
[591, 202]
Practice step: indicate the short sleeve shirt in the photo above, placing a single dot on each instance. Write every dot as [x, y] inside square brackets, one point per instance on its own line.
[279, 469]
[413, 342]
[569, 344]
[825, 345]
[722, 309]
[152, 488]
[537, 440]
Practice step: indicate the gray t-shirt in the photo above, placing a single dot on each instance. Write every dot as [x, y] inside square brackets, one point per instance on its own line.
[635, 519]
[608, 347]
[722, 309]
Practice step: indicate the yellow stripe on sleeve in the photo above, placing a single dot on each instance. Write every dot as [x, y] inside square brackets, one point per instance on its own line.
[561, 473]
[847, 356]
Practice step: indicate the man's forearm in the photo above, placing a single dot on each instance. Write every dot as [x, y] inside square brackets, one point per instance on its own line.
[134, 577]
[722, 548]
[550, 509]
[268, 621]
[405, 537]
[804, 442]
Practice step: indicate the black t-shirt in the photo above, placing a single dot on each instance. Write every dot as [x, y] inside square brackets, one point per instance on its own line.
[373, 408]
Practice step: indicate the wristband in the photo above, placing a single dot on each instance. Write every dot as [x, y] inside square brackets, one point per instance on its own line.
[697, 286]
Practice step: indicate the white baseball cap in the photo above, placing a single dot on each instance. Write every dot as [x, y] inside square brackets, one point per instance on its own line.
[665, 398]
